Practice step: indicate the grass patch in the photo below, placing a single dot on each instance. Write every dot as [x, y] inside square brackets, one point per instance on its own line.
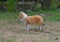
[13, 16]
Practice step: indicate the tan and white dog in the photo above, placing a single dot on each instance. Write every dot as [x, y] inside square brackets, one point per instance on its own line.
[28, 20]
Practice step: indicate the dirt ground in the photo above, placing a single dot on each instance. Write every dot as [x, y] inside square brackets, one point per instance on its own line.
[15, 32]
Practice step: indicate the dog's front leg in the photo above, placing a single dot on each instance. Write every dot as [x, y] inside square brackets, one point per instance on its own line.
[40, 28]
[28, 27]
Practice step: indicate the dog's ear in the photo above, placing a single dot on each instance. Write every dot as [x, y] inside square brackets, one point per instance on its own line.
[20, 15]
[21, 12]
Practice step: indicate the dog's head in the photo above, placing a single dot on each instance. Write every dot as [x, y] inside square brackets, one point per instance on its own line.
[22, 15]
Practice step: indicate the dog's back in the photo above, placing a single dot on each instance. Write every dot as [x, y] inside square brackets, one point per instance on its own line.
[36, 19]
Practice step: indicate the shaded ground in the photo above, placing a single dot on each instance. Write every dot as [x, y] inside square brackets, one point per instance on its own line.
[15, 32]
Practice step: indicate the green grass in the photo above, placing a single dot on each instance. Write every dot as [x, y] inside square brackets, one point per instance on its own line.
[12, 15]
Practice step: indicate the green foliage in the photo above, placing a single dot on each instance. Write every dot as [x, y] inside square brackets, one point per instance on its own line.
[10, 4]
[1, 2]
[58, 2]
[38, 6]
[54, 4]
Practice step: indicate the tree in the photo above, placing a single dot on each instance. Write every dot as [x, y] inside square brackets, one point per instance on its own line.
[10, 4]
[45, 4]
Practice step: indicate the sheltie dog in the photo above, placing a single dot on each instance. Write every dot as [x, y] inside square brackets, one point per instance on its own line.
[28, 20]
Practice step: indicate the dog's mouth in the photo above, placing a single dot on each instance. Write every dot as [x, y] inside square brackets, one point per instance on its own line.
[20, 20]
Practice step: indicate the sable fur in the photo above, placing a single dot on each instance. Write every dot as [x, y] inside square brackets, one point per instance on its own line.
[35, 19]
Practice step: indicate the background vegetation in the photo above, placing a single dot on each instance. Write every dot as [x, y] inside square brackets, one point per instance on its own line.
[14, 5]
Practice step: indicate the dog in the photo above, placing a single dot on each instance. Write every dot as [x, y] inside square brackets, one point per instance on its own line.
[28, 20]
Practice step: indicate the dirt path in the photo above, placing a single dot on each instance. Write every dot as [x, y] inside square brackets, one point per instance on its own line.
[16, 33]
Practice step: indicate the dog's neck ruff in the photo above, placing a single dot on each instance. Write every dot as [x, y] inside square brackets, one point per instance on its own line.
[25, 17]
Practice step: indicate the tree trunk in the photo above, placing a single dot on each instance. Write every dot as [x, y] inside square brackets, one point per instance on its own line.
[45, 4]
